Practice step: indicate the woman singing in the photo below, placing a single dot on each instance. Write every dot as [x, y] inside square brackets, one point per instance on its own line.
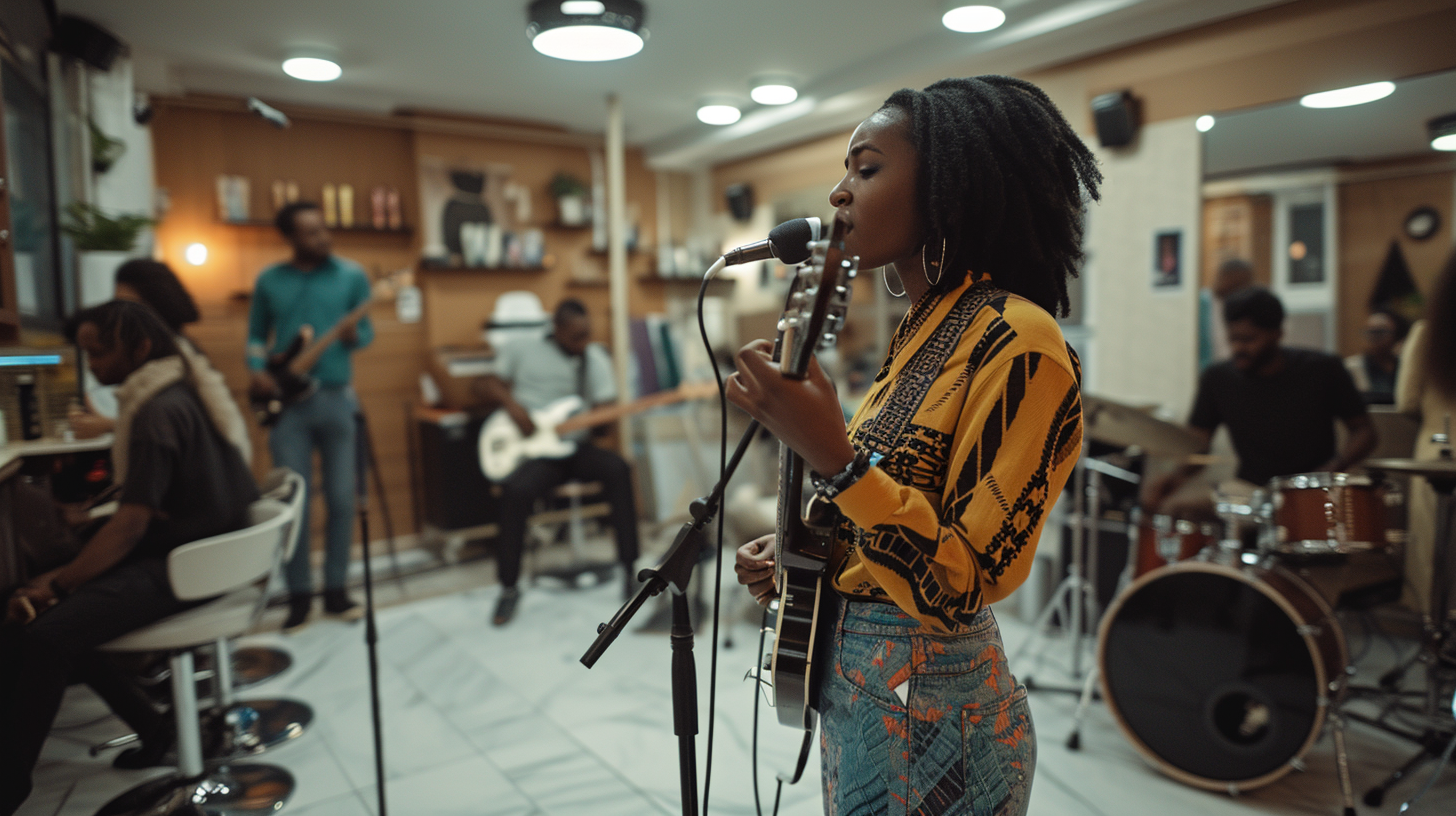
[973, 191]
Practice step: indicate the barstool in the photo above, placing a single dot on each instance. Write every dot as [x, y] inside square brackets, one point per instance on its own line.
[233, 566]
[572, 518]
[252, 665]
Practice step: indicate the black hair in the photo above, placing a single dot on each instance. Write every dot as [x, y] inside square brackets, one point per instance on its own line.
[1003, 180]
[1256, 305]
[128, 324]
[1401, 323]
[1440, 357]
[285, 217]
[571, 307]
[160, 289]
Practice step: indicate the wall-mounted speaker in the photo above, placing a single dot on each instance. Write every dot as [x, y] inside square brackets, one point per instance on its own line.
[740, 201]
[1117, 117]
[86, 41]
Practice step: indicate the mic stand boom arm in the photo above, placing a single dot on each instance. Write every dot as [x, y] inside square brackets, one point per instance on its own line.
[673, 574]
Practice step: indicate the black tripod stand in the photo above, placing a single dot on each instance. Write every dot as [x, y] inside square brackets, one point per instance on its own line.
[365, 462]
[674, 574]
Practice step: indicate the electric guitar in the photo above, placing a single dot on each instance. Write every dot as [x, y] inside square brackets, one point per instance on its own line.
[503, 447]
[289, 367]
[813, 316]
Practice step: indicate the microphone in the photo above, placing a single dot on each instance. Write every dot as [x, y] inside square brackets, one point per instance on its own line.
[789, 242]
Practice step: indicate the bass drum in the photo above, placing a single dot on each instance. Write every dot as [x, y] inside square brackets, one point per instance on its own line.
[1221, 675]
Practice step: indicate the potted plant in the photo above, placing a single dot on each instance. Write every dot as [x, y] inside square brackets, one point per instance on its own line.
[103, 243]
[570, 194]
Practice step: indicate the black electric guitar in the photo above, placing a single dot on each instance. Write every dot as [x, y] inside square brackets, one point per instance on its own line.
[289, 367]
[813, 316]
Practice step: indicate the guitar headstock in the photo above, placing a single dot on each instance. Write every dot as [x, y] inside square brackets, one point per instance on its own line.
[817, 302]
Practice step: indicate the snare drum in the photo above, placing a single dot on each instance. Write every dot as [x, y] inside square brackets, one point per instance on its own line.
[1221, 675]
[1165, 540]
[1327, 513]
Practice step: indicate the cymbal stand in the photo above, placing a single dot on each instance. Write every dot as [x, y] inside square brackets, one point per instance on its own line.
[1075, 599]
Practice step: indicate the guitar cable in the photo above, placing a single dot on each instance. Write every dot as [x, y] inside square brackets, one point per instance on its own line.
[718, 556]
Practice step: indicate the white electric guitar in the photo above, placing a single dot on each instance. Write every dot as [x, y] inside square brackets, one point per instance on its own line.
[503, 447]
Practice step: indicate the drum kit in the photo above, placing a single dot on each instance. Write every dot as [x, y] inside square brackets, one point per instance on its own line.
[1221, 657]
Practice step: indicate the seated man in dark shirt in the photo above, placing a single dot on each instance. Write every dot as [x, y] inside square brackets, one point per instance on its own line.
[1280, 404]
[181, 480]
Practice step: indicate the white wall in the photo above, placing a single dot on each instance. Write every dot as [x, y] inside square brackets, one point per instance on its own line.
[1144, 341]
[129, 185]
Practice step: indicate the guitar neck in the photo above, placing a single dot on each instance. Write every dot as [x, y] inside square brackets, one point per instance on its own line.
[309, 356]
[612, 413]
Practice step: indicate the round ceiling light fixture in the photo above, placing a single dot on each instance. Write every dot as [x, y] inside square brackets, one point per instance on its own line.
[1442, 131]
[973, 19]
[1204, 123]
[312, 69]
[718, 113]
[773, 90]
[1345, 97]
[586, 30]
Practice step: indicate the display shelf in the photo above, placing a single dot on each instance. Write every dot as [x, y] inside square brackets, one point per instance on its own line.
[363, 230]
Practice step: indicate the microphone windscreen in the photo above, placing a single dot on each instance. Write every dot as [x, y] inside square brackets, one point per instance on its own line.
[790, 240]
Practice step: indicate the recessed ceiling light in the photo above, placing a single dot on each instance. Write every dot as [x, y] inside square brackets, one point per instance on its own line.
[586, 30]
[773, 91]
[1345, 97]
[1204, 123]
[1442, 130]
[973, 19]
[312, 69]
[718, 114]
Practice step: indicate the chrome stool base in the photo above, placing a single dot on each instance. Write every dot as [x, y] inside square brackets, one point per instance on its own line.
[253, 726]
[254, 664]
[229, 790]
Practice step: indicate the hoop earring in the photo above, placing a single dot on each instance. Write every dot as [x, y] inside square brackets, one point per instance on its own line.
[892, 292]
[939, 267]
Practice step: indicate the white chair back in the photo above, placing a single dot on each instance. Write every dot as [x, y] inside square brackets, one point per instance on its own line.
[222, 563]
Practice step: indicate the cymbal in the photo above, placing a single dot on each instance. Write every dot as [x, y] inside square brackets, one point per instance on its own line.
[1415, 467]
[1117, 423]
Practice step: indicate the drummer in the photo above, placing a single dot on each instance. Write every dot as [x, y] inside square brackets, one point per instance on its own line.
[1280, 405]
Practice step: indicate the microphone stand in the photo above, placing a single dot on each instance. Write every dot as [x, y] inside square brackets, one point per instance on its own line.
[673, 574]
[364, 453]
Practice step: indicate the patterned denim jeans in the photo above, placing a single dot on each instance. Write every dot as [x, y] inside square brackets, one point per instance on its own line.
[915, 723]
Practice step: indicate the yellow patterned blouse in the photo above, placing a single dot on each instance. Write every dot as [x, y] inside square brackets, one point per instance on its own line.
[978, 414]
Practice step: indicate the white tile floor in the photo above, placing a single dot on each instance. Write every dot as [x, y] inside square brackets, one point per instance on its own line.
[485, 720]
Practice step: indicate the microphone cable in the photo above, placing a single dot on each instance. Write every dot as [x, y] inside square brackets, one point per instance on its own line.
[712, 272]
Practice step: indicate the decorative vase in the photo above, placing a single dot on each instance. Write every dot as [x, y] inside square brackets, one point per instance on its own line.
[97, 268]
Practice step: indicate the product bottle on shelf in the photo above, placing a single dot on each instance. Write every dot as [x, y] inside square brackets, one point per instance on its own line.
[331, 206]
[346, 205]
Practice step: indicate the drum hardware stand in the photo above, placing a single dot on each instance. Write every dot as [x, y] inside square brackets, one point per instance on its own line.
[1076, 596]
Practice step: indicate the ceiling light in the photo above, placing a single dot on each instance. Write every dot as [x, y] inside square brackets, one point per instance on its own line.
[773, 91]
[1204, 123]
[973, 19]
[312, 69]
[1442, 130]
[1345, 97]
[196, 254]
[586, 30]
[718, 114]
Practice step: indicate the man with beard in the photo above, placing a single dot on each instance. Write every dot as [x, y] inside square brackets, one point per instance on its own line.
[1280, 404]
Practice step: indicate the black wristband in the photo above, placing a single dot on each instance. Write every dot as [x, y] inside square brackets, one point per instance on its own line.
[828, 487]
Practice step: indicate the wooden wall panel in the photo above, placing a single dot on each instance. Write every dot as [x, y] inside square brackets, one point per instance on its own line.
[1238, 227]
[1371, 215]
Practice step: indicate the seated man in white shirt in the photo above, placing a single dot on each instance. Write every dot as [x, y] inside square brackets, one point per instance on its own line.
[532, 373]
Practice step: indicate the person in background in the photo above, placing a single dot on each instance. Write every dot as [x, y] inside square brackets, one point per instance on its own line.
[154, 285]
[1280, 405]
[1427, 388]
[942, 479]
[532, 373]
[1374, 370]
[314, 288]
[1232, 275]
[181, 481]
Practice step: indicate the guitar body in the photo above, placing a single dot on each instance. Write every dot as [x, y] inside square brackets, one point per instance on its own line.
[292, 388]
[803, 560]
[503, 447]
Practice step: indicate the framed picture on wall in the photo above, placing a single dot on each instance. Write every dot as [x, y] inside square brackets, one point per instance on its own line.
[1167, 259]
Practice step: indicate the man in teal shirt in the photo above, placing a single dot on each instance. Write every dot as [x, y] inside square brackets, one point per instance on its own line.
[313, 288]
